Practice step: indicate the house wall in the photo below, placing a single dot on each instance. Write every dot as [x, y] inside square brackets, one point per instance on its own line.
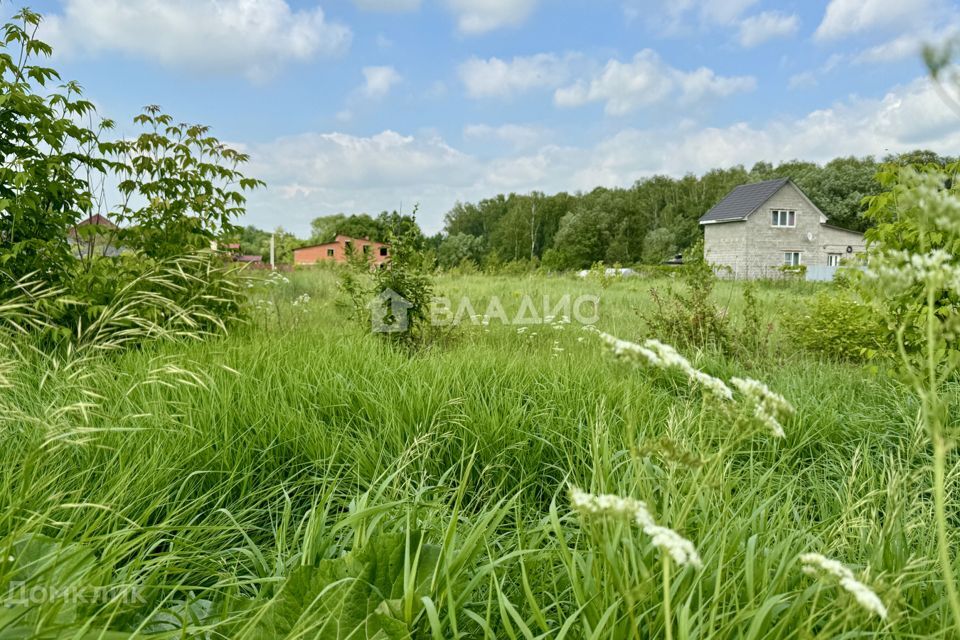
[319, 253]
[754, 248]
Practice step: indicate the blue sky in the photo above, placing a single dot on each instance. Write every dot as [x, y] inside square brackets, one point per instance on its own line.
[364, 105]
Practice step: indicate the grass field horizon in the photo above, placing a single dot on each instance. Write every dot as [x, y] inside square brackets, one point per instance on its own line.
[300, 476]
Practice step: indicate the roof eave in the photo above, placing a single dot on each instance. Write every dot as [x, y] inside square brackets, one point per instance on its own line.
[722, 221]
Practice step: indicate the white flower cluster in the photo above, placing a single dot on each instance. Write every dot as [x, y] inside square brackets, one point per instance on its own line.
[769, 407]
[898, 271]
[276, 278]
[302, 300]
[667, 540]
[815, 564]
[657, 354]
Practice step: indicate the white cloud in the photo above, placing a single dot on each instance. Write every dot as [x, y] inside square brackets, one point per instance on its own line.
[517, 136]
[906, 118]
[389, 6]
[480, 16]
[850, 17]
[723, 11]
[313, 174]
[674, 17]
[379, 80]
[253, 37]
[803, 80]
[498, 78]
[647, 80]
[766, 26]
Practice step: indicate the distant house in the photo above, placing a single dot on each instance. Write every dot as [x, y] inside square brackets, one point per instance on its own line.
[338, 250]
[759, 228]
[94, 237]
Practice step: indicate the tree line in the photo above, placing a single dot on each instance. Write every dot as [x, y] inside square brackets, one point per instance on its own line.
[646, 223]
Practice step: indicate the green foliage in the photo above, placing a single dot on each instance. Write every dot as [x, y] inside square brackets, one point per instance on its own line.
[651, 220]
[907, 219]
[686, 316]
[44, 152]
[459, 248]
[658, 245]
[181, 187]
[274, 452]
[379, 229]
[406, 275]
[125, 301]
[377, 588]
[836, 324]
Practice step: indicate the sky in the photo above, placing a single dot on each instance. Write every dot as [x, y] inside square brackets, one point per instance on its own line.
[368, 105]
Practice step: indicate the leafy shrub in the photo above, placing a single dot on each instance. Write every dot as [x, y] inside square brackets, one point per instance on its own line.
[838, 325]
[405, 275]
[685, 315]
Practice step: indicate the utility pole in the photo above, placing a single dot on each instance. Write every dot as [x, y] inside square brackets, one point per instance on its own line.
[273, 251]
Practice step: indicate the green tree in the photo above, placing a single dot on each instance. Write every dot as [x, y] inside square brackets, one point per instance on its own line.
[44, 157]
[459, 248]
[659, 245]
[181, 187]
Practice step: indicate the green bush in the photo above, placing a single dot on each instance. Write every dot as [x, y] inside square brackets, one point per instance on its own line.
[839, 325]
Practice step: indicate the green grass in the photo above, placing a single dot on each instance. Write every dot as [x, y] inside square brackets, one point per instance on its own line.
[300, 472]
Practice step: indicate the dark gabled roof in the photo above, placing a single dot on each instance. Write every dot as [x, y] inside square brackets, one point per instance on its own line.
[98, 221]
[743, 201]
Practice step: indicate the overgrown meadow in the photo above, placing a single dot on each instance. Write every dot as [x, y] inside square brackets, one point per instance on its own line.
[301, 478]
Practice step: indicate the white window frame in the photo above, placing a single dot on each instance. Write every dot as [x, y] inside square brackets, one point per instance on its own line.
[833, 259]
[788, 258]
[783, 218]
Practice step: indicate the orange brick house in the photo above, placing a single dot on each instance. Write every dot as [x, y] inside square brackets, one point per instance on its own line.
[336, 251]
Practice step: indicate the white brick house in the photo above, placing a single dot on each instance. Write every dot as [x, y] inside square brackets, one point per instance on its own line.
[758, 228]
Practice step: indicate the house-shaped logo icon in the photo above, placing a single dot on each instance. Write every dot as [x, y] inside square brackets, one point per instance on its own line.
[389, 312]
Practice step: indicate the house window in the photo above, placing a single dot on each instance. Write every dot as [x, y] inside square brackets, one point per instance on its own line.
[791, 258]
[348, 246]
[833, 259]
[383, 251]
[366, 249]
[329, 253]
[783, 218]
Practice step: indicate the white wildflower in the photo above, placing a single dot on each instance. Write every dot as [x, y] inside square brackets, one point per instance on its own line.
[898, 271]
[663, 356]
[301, 300]
[815, 564]
[768, 407]
[521, 330]
[681, 550]
[676, 546]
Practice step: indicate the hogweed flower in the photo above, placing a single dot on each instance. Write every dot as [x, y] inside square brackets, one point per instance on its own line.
[769, 407]
[899, 271]
[663, 356]
[816, 565]
[668, 541]
[302, 299]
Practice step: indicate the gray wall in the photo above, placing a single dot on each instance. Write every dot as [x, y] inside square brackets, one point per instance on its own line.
[754, 248]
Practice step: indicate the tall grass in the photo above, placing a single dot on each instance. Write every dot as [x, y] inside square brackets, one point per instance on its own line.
[299, 479]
